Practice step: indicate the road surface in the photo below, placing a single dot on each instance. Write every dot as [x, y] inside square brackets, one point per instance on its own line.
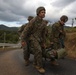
[12, 63]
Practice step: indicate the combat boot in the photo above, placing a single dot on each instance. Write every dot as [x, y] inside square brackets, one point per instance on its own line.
[27, 62]
[54, 63]
[39, 69]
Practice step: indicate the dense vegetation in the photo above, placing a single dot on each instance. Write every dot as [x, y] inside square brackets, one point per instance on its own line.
[8, 36]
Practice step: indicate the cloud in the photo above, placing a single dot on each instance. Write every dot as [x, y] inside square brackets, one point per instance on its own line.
[62, 3]
[11, 10]
[18, 10]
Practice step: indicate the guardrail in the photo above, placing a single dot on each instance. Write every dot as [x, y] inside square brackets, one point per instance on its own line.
[10, 45]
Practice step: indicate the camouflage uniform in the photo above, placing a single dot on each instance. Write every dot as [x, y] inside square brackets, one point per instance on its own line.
[36, 33]
[26, 47]
[55, 34]
[58, 33]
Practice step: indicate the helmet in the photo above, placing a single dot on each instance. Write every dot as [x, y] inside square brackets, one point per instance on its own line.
[39, 9]
[30, 17]
[64, 18]
[46, 21]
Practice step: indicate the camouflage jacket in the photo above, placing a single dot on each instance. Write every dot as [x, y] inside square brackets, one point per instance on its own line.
[22, 28]
[36, 29]
[57, 31]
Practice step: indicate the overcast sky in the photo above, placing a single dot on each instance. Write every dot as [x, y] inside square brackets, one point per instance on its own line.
[15, 12]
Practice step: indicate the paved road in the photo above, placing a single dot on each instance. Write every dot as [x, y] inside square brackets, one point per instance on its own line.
[12, 63]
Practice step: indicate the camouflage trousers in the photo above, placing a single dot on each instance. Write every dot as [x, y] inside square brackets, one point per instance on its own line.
[26, 52]
[37, 51]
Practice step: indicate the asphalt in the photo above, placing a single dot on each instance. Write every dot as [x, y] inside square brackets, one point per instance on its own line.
[12, 63]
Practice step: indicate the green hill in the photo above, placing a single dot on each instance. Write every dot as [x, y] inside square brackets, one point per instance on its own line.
[4, 27]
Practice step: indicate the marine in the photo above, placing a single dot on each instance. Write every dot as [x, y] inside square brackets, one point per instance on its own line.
[34, 32]
[57, 35]
[25, 45]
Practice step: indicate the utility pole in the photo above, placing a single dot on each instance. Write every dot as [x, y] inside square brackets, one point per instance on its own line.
[72, 22]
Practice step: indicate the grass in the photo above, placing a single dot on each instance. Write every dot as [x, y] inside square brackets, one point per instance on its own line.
[70, 42]
[70, 30]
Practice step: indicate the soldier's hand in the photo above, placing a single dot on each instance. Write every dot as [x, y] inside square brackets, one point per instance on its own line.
[23, 43]
[51, 43]
[43, 45]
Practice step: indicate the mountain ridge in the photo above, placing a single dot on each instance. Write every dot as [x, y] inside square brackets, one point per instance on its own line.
[4, 27]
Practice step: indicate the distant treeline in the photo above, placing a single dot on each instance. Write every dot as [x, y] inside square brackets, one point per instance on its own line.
[13, 37]
[70, 29]
[8, 36]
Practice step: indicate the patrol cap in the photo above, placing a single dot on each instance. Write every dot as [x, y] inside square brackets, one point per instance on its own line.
[39, 9]
[30, 17]
[64, 18]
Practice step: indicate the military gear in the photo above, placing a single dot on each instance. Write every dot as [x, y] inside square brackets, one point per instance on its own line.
[22, 28]
[24, 25]
[61, 53]
[39, 69]
[30, 17]
[46, 21]
[64, 18]
[54, 54]
[39, 9]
